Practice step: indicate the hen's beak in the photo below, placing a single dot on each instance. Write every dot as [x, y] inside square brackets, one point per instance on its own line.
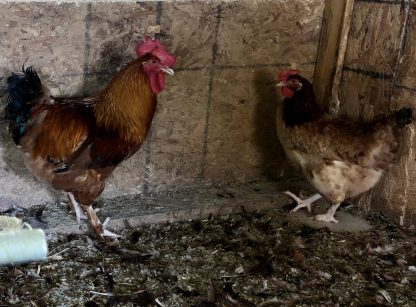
[281, 84]
[169, 71]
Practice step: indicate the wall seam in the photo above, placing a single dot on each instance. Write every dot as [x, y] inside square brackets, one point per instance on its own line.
[149, 137]
[87, 45]
[185, 69]
[209, 100]
[403, 41]
[369, 73]
[383, 1]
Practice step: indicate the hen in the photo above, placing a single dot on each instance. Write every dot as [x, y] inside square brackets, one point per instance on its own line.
[340, 158]
[74, 144]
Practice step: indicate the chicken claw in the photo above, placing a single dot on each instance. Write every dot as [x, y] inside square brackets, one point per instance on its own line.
[108, 233]
[77, 208]
[329, 216]
[301, 203]
[100, 228]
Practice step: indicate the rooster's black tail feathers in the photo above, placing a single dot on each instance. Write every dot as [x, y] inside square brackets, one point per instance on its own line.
[22, 89]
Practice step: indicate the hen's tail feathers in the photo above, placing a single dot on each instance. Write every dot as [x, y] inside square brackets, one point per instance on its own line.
[22, 89]
[403, 117]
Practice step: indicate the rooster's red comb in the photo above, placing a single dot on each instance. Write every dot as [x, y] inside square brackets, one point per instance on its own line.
[155, 47]
[284, 74]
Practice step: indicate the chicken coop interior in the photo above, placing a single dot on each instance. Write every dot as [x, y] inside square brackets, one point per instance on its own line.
[215, 121]
[212, 157]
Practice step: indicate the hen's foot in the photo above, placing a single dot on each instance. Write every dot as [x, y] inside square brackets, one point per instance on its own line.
[77, 208]
[100, 228]
[301, 203]
[325, 218]
[329, 216]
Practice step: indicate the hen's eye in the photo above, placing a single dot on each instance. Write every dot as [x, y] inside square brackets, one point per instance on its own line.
[154, 61]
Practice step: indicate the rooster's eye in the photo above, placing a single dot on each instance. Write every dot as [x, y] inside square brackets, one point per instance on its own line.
[154, 61]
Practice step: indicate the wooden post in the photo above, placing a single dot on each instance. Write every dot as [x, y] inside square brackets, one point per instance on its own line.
[331, 52]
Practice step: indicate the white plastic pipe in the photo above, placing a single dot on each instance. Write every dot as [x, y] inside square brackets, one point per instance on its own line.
[20, 243]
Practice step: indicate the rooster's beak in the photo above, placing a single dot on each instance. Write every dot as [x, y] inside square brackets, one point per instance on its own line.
[169, 71]
[281, 84]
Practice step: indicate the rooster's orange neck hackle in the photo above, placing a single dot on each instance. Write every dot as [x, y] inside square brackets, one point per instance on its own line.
[127, 104]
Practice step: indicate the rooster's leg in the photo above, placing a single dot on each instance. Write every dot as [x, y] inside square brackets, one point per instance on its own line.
[329, 216]
[99, 228]
[77, 208]
[301, 203]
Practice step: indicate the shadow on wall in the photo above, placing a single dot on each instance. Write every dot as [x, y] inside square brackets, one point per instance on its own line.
[11, 162]
[113, 56]
[273, 160]
[11, 157]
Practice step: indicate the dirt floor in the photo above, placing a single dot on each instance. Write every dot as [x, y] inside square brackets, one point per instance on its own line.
[246, 259]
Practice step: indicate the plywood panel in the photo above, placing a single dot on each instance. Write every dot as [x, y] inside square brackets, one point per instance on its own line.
[177, 131]
[406, 75]
[45, 35]
[242, 140]
[374, 39]
[269, 32]
[190, 28]
[364, 97]
[113, 31]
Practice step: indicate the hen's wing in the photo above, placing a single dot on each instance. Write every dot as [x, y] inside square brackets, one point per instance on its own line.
[369, 145]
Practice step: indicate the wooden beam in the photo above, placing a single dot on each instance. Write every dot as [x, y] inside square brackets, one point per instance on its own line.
[331, 52]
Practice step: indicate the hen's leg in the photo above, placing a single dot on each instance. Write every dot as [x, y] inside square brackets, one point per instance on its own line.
[329, 216]
[301, 203]
[77, 208]
[98, 226]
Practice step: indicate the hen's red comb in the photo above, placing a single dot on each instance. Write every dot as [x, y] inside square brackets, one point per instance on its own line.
[284, 74]
[155, 47]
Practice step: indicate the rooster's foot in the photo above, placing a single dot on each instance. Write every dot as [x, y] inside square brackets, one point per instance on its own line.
[77, 208]
[100, 228]
[325, 218]
[107, 233]
[301, 203]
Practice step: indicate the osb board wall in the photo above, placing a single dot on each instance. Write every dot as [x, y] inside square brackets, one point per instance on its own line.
[215, 120]
[379, 77]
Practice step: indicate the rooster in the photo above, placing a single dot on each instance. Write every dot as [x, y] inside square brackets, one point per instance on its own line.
[74, 144]
[340, 158]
